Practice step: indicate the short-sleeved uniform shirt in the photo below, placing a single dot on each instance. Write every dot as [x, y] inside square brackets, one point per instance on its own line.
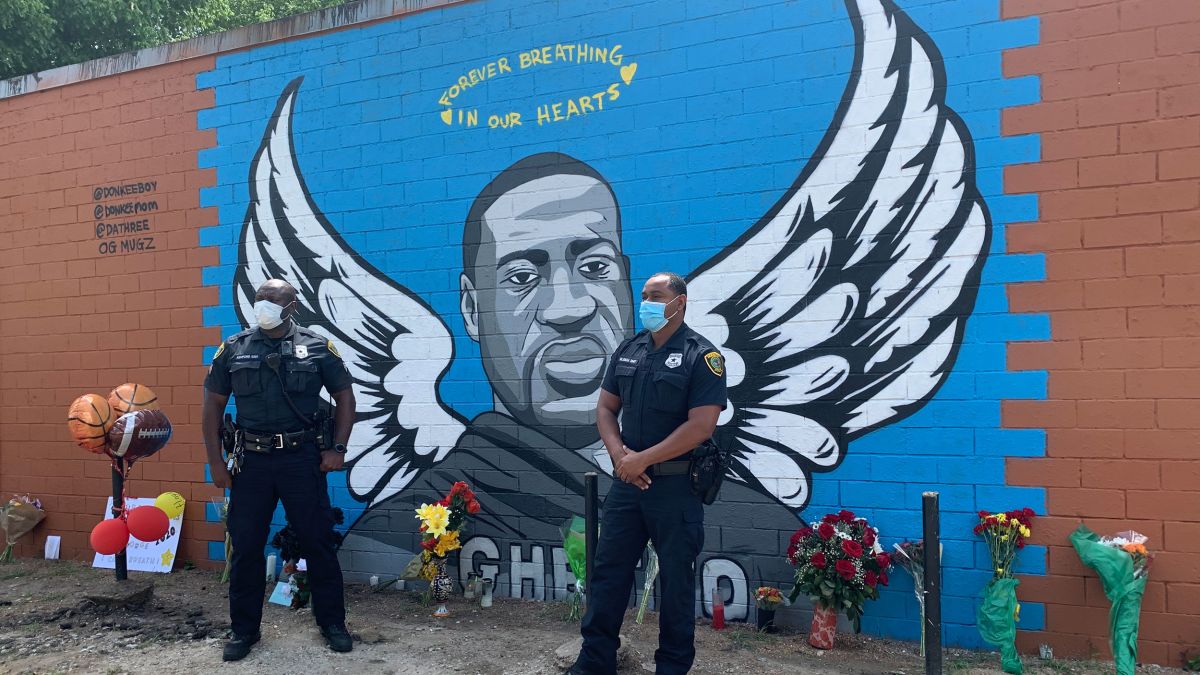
[308, 362]
[659, 386]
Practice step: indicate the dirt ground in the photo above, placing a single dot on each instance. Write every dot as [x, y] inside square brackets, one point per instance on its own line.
[46, 626]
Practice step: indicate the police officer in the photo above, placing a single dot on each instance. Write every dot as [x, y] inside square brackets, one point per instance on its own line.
[668, 385]
[277, 457]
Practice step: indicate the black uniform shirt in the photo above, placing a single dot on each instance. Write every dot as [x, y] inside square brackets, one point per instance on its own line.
[240, 367]
[659, 386]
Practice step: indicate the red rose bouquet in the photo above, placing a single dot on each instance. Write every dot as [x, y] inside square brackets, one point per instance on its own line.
[839, 564]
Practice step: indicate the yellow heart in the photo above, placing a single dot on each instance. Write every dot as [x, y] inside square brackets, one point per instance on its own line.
[447, 115]
[627, 73]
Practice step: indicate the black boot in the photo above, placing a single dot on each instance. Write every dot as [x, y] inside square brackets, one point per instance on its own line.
[337, 637]
[239, 646]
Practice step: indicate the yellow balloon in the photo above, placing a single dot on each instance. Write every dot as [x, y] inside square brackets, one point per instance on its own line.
[171, 503]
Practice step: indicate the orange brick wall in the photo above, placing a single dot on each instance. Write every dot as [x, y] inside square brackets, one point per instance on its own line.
[1119, 193]
[74, 319]
[1119, 186]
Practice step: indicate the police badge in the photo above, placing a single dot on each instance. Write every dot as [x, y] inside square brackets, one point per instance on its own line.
[674, 360]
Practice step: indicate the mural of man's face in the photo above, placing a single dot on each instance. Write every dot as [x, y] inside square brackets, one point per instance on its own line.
[550, 298]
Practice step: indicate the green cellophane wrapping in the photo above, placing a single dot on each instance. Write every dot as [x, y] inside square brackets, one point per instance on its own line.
[997, 619]
[1115, 568]
[575, 547]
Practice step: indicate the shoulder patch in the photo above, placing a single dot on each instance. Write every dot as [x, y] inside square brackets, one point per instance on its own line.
[220, 349]
[332, 350]
[715, 363]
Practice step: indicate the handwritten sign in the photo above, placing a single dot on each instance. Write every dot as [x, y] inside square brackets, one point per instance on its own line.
[123, 226]
[543, 112]
[144, 556]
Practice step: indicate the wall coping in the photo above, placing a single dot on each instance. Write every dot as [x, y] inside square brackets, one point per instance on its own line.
[317, 21]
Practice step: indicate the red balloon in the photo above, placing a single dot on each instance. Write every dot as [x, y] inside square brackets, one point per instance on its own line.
[110, 536]
[148, 523]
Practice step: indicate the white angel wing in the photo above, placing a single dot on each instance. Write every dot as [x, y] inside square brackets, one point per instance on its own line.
[842, 309]
[396, 348]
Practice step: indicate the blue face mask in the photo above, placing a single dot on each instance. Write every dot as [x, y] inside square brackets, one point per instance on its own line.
[654, 315]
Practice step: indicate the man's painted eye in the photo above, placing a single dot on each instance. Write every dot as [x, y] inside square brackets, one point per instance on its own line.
[521, 278]
[594, 268]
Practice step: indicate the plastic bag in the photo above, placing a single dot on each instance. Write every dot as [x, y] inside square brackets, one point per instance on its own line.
[997, 619]
[1124, 590]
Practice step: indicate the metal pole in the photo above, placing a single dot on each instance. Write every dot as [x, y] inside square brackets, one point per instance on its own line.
[591, 510]
[118, 489]
[933, 584]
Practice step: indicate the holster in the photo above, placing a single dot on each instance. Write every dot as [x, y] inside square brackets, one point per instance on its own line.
[323, 425]
[230, 435]
[707, 470]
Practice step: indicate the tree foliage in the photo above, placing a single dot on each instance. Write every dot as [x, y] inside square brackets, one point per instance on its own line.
[40, 34]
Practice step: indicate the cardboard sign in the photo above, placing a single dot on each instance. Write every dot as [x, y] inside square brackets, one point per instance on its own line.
[144, 556]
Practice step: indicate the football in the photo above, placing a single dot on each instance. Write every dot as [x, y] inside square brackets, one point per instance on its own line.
[139, 434]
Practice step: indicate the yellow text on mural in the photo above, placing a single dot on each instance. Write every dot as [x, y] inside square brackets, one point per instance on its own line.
[547, 112]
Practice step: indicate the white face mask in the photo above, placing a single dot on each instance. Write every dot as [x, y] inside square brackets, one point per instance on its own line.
[268, 314]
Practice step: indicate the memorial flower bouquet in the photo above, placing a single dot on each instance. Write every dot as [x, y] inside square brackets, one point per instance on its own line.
[1122, 562]
[839, 566]
[910, 557]
[18, 516]
[1005, 535]
[441, 525]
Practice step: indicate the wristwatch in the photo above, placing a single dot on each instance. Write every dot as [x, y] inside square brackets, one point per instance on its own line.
[340, 448]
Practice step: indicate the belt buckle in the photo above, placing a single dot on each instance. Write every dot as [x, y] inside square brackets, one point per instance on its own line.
[278, 445]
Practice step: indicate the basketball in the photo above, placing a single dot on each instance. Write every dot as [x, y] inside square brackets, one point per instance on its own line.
[129, 397]
[89, 419]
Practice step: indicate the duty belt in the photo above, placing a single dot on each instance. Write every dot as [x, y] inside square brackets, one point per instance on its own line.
[673, 468]
[256, 442]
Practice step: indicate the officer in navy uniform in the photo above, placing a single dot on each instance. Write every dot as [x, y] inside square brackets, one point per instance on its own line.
[277, 457]
[668, 385]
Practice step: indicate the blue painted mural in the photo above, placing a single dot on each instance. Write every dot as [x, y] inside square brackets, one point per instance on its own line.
[466, 197]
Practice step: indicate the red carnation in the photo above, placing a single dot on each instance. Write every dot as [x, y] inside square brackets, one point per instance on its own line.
[983, 514]
[846, 569]
[883, 578]
[978, 529]
[869, 538]
[883, 560]
[870, 579]
[445, 501]
[826, 531]
[846, 516]
[818, 560]
[852, 548]
[472, 506]
[830, 518]
[429, 544]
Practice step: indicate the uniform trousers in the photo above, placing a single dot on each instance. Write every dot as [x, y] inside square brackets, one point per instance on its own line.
[295, 478]
[671, 517]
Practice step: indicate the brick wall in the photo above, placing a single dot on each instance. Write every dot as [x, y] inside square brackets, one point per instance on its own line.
[75, 318]
[1120, 186]
[1068, 391]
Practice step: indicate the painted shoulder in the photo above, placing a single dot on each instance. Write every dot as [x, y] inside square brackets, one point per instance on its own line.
[232, 339]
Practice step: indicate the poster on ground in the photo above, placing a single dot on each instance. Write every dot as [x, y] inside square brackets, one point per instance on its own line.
[144, 556]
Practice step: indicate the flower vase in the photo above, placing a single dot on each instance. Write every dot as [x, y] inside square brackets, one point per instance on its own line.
[824, 627]
[766, 621]
[440, 587]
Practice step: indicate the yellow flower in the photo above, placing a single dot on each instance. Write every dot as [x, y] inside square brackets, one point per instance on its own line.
[446, 543]
[1002, 518]
[999, 570]
[435, 518]
[1025, 532]
[1003, 537]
